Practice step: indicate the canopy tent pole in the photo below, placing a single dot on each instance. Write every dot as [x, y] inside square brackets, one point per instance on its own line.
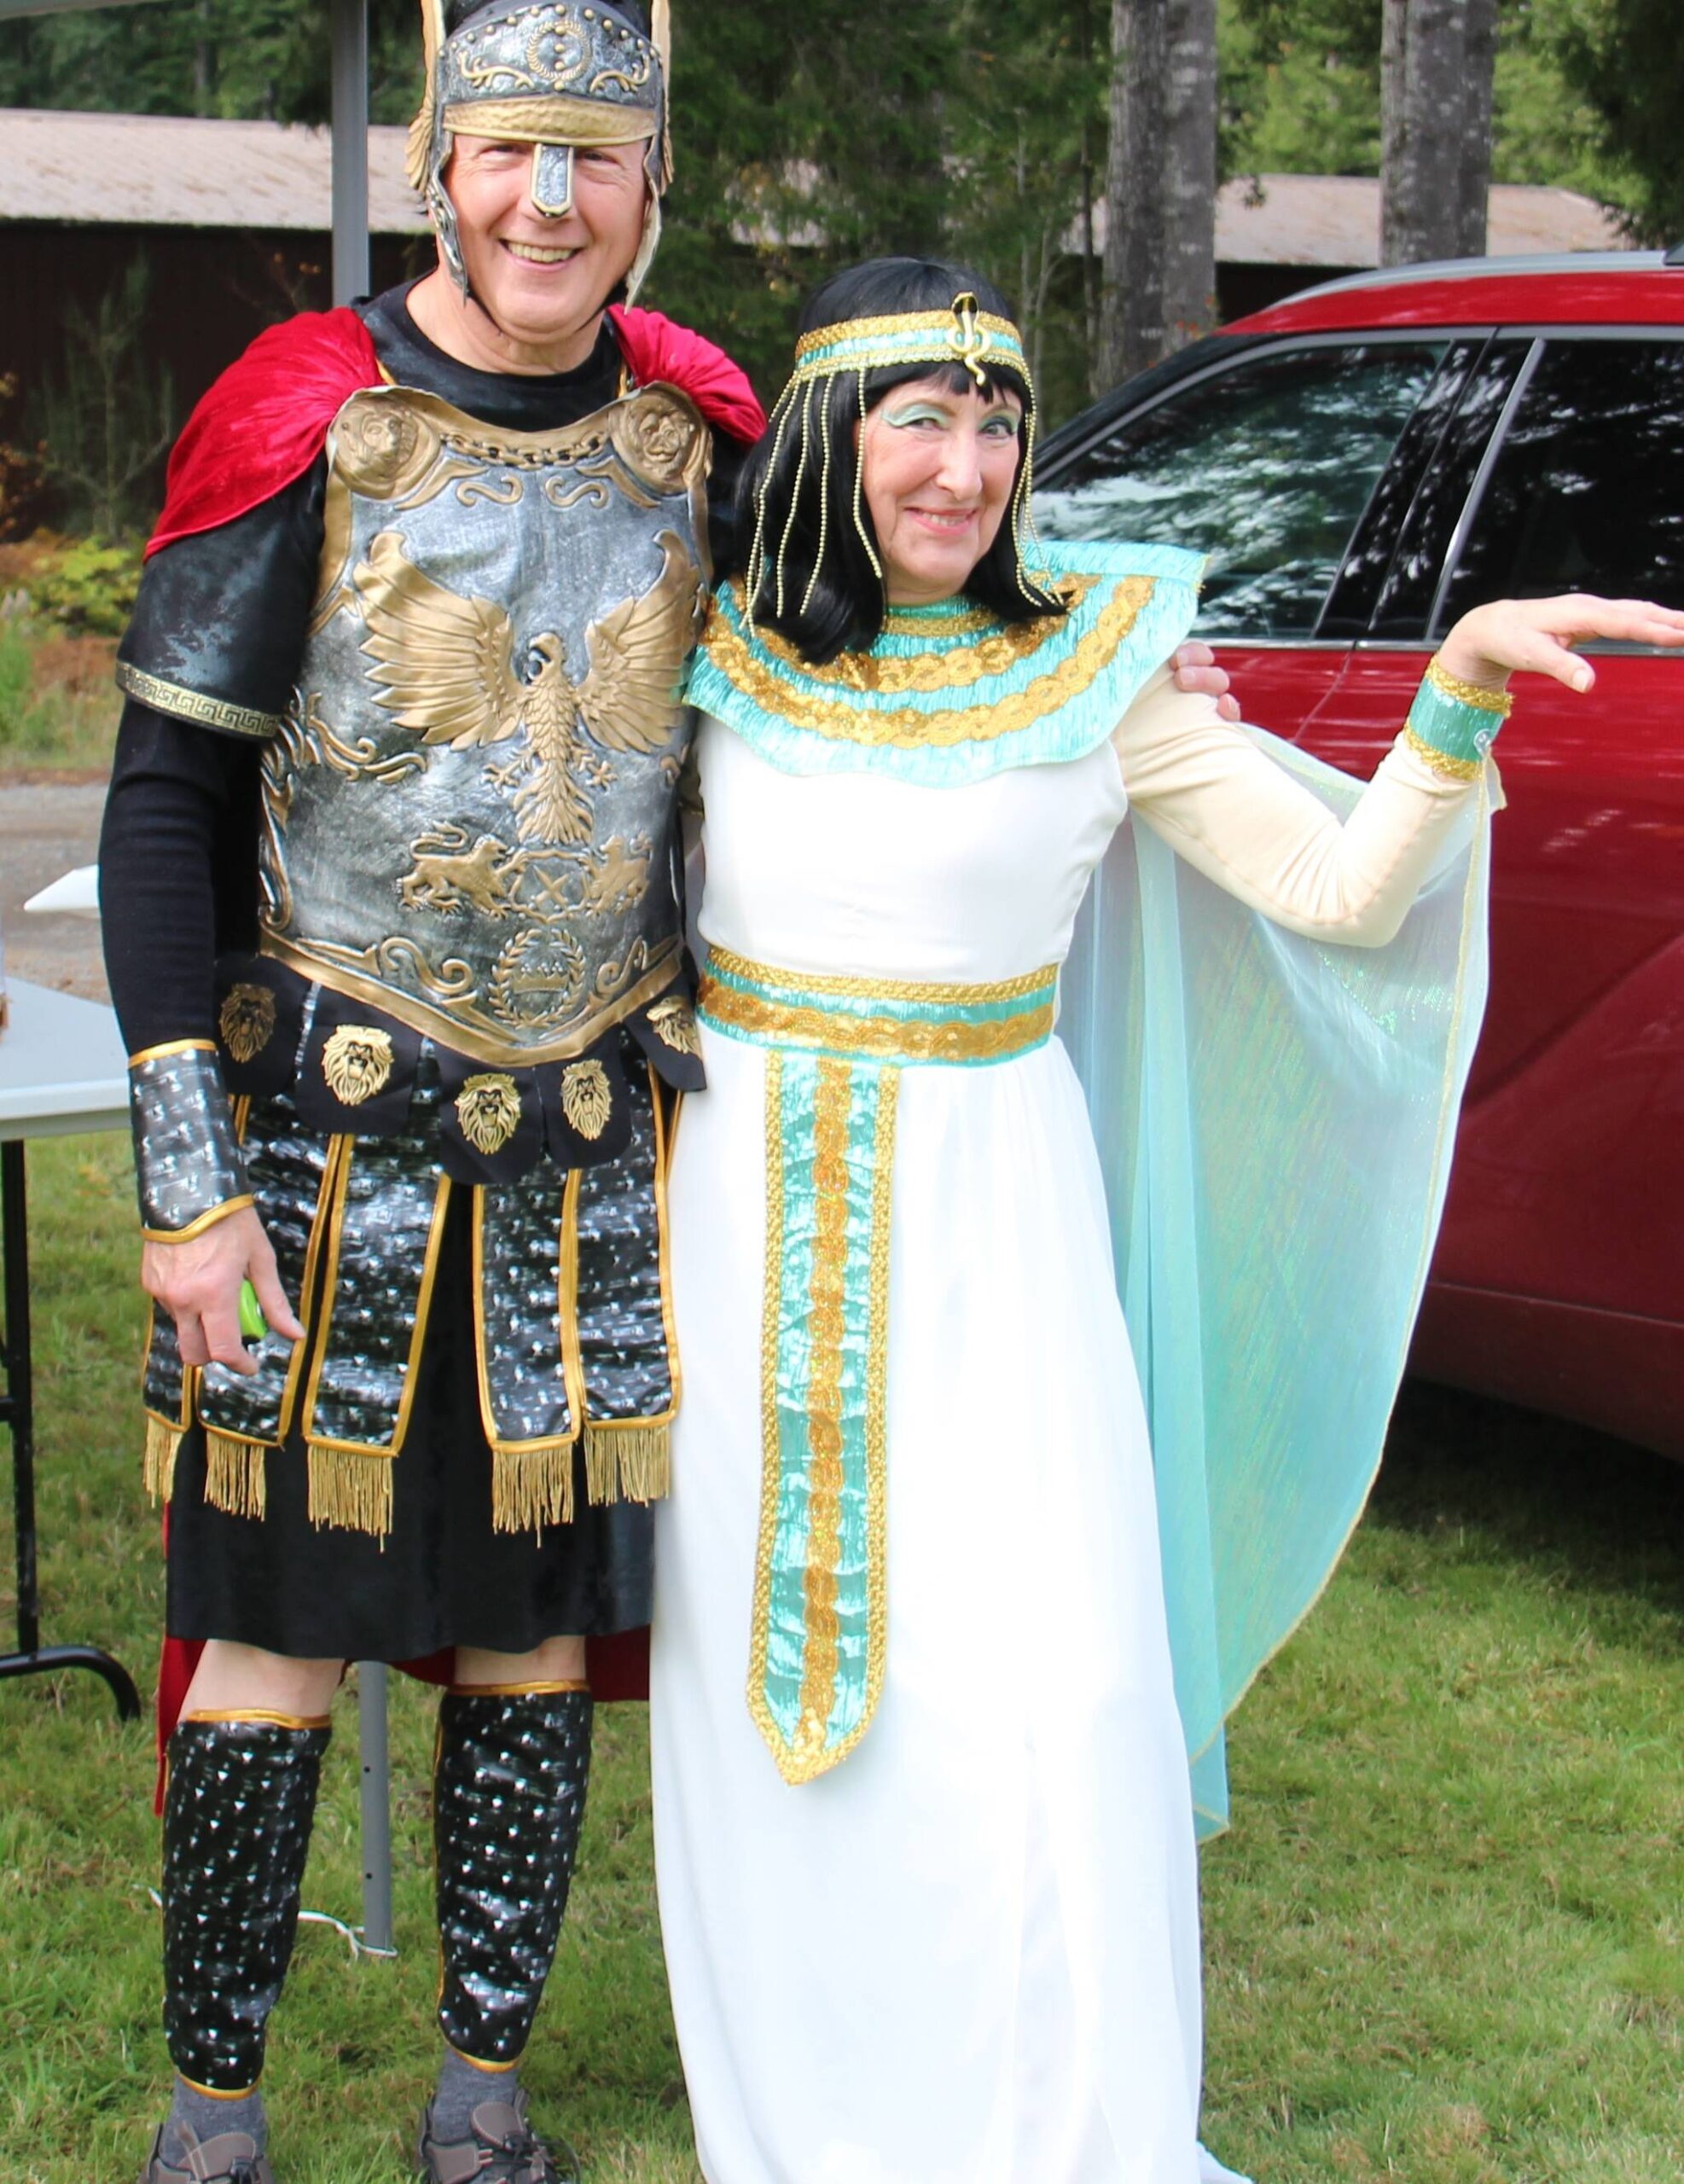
[350, 279]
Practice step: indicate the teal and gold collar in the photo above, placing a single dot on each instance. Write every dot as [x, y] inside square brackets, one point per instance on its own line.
[951, 693]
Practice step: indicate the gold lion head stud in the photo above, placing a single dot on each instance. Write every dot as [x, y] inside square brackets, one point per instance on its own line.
[673, 1021]
[247, 1021]
[587, 1099]
[357, 1062]
[488, 1108]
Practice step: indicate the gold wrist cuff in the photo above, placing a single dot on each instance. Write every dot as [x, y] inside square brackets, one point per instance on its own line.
[1441, 762]
[172, 1047]
[1478, 695]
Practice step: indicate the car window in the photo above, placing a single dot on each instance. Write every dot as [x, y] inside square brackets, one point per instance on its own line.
[1586, 492]
[1267, 467]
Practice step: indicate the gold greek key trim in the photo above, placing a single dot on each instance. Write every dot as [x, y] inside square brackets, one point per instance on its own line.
[771, 1300]
[198, 1226]
[171, 1047]
[555, 119]
[1441, 762]
[450, 1031]
[878, 1039]
[948, 993]
[829, 712]
[1478, 695]
[193, 705]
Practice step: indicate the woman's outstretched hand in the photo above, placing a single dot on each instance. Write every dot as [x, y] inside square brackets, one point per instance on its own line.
[1490, 643]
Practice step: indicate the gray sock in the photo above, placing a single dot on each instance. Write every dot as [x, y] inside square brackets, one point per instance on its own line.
[208, 2117]
[462, 2086]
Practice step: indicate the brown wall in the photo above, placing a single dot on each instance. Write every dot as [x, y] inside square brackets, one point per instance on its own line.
[212, 289]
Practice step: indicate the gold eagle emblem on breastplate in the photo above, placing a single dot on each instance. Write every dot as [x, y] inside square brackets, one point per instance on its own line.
[446, 668]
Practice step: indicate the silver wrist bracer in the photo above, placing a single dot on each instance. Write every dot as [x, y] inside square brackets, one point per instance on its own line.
[187, 1163]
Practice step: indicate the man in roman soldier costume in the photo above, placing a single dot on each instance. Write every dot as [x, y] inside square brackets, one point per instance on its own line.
[393, 932]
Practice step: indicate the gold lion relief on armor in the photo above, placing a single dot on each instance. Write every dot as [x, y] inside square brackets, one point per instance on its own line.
[447, 876]
[488, 1108]
[357, 1063]
[587, 1101]
[246, 1020]
[491, 881]
[450, 669]
[673, 1021]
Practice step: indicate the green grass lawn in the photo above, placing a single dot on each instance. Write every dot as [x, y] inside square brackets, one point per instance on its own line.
[1443, 1936]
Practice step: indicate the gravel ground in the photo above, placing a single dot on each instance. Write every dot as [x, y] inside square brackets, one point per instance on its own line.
[47, 827]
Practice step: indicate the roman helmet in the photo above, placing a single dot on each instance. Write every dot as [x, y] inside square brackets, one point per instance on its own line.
[557, 75]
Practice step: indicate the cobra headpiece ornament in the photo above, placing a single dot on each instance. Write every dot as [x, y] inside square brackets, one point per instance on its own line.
[980, 340]
[558, 76]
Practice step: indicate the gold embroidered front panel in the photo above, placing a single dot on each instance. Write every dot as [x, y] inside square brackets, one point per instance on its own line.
[468, 808]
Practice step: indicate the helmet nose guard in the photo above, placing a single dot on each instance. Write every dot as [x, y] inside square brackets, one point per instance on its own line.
[551, 186]
[554, 73]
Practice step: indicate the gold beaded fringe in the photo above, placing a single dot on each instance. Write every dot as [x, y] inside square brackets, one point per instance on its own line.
[157, 1463]
[351, 1489]
[533, 1487]
[234, 1475]
[627, 1463]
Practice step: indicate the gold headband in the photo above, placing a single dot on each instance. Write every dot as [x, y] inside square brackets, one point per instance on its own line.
[961, 334]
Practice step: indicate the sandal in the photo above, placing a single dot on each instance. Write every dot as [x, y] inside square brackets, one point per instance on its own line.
[230, 2158]
[504, 2149]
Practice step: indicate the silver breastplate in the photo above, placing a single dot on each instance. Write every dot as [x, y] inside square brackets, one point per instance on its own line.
[469, 811]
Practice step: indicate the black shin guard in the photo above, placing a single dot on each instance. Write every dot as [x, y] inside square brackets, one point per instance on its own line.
[237, 1811]
[508, 1805]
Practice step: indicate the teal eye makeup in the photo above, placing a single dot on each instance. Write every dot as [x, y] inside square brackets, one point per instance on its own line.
[916, 412]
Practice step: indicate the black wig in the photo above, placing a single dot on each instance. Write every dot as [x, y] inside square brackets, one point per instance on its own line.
[804, 511]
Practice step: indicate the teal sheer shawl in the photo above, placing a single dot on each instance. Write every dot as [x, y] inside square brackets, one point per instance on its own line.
[1274, 1117]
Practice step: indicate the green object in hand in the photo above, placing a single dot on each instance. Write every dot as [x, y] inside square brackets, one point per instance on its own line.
[253, 1325]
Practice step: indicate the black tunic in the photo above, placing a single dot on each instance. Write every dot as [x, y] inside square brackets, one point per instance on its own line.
[223, 612]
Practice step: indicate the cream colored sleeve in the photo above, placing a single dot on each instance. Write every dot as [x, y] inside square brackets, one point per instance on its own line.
[1220, 802]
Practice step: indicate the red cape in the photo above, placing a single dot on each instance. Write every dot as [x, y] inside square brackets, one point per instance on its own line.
[260, 426]
[265, 420]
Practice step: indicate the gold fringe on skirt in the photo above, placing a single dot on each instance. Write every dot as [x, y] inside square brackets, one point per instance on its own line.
[533, 1487]
[351, 1489]
[234, 1475]
[157, 1463]
[627, 1463]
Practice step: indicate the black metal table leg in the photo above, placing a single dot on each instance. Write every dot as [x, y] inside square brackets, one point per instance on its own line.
[17, 1411]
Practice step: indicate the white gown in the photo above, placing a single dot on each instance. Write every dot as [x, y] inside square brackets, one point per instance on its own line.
[969, 1953]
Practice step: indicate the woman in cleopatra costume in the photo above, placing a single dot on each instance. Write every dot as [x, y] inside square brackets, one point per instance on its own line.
[393, 934]
[1006, 1460]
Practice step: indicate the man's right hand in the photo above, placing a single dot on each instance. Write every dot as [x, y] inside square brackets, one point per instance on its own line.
[197, 1283]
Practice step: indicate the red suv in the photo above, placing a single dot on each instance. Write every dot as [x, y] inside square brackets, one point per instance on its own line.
[1364, 463]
